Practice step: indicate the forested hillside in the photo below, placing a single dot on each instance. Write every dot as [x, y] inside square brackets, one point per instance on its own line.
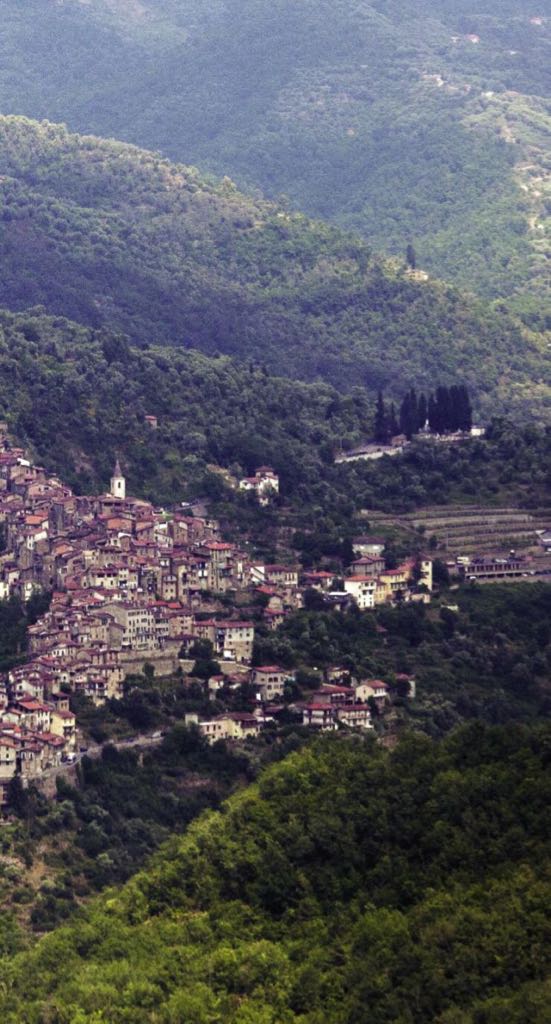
[107, 234]
[487, 659]
[423, 122]
[77, 397]
[349, 886]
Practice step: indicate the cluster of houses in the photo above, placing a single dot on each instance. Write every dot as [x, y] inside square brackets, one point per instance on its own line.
[342, 703]
[133, 584]
[370, 584]
[35, 734]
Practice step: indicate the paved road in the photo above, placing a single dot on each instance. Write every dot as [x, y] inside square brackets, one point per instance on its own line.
[94, 750]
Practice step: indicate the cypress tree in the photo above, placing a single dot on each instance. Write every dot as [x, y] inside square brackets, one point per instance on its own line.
[413, 410]
[443, 409]
[433, 414]
[408, 414]
[381, 422]
[405, 416]
[454, 409]
[393, 427]
[465, 411]
[411, 257]
[422, 412]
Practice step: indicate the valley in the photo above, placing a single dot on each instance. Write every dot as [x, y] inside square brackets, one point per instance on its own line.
[275, 512]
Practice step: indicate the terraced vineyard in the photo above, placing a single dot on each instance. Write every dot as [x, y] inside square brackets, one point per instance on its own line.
[470, 529]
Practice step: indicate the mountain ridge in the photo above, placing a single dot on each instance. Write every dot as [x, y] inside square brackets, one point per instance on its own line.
[107, 234]
[404, 124]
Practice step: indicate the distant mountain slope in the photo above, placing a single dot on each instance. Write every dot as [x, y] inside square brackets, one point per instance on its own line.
[425, 122]
[349, 886]
[104, 233]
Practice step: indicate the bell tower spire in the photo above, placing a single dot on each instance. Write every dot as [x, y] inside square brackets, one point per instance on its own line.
[118, 482]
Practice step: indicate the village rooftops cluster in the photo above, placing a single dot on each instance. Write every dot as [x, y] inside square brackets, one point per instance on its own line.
[127, 580]
[369, 583]
[133, 584]
[35, 735]
[346, 704]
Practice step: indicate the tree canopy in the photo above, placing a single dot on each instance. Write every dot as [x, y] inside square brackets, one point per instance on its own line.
[347, 885]
[424, 124]
[112, 236]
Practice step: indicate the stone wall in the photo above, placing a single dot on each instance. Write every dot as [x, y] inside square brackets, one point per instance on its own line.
[164, 662]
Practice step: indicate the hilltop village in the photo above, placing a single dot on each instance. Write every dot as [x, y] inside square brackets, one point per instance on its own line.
[134, 585]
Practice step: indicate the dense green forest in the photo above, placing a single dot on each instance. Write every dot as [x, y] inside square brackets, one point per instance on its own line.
[348, 885]
[54, 854]
[490, 660]
[113, 236]
[488, 656]
[423, 122]
[78, 397]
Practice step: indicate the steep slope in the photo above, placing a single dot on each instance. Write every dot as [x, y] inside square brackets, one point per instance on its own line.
[426, 122]
[107, 234]
[349, 886]
[77, 397]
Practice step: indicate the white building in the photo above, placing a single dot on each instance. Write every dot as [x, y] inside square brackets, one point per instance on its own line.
[362, 590]
[265, 483]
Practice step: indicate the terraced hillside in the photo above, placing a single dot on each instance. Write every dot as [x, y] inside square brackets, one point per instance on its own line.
[475, 529]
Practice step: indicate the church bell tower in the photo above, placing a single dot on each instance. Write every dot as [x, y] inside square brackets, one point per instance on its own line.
[118, 482]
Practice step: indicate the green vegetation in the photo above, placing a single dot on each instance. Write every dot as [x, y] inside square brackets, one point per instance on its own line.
[382, 116]
[77, 397]
[112, 236]
[15, 617]
[447, 410]
[511, 466]
[489, 659]
[348, 885]
[57, 853]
